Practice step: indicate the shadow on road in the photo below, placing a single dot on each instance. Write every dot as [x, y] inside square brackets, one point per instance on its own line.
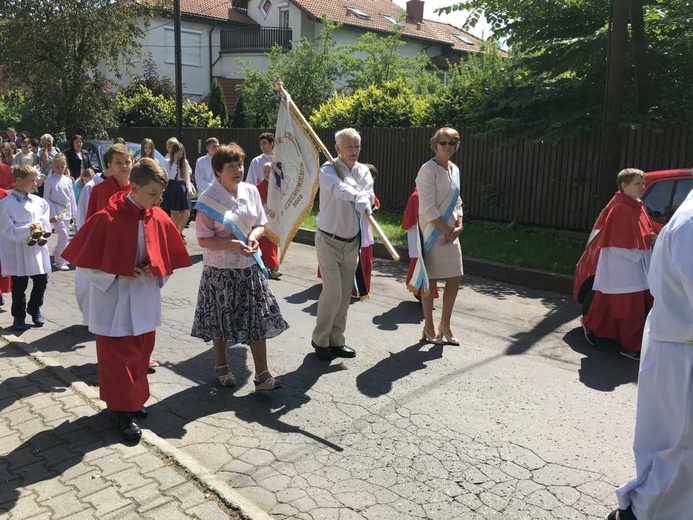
[378, 380]
[602, 368]
[170, 416]
[404, 312]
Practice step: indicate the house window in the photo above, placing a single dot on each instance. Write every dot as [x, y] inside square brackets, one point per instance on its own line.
[191, 47]
[390, 18]
[463, 38]
[265, 7]
[359, 13]
[284, 18]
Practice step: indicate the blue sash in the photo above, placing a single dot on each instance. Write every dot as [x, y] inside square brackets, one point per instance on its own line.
[424, 244]
[229, 220]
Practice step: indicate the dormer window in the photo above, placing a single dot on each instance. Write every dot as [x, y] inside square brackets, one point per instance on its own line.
[463, 38]
[390, 18]
[359, 13]
[265, 7]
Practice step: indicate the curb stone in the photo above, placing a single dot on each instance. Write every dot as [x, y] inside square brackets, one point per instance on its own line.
[522, 276]
[194, 470]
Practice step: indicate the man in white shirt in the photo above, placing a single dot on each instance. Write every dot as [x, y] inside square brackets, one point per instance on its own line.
[255, 175]
[204, 174]
[661, 489]
[344, 200]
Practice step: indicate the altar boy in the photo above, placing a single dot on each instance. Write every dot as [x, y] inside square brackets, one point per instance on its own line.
[24, 228]
[127, 251]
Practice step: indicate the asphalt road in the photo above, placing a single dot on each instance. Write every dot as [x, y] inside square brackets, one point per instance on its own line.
[523, 420]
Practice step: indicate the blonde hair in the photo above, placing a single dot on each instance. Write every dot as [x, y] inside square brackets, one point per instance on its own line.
[170, 142]
[446, 130]
[627, 175]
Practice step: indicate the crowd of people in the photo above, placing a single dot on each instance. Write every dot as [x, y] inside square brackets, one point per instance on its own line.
[130, 219]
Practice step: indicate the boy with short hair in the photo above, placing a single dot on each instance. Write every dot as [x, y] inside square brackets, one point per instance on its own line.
[127, 250]
[255, 175]
[24, 229]
[204, 174]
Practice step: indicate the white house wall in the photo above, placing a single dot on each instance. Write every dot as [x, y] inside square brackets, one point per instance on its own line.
[158, 45]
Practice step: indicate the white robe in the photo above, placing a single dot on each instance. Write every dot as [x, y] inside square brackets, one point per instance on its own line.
[663, 486]
[16, 256]
[120, 307]
[84, 196]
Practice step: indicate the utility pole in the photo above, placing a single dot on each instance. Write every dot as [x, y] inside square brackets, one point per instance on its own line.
[179, 70]
[613, 99]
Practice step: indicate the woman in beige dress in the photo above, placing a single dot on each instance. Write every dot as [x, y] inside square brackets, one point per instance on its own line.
[440, 220]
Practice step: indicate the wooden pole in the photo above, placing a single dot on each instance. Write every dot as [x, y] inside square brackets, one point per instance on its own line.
[306, 125]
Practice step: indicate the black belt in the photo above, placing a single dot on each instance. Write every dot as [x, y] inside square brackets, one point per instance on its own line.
[336, 237]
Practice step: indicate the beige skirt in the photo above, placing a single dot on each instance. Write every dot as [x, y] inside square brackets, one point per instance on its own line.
[444, 260]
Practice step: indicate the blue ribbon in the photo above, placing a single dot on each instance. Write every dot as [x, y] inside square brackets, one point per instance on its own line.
[232, 227]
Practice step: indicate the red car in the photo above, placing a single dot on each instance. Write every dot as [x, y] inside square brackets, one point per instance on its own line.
[665, 190]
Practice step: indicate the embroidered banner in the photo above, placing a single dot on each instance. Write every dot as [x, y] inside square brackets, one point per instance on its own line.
[293, 181]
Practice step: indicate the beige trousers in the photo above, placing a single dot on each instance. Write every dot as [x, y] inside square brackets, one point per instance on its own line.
[337, 261]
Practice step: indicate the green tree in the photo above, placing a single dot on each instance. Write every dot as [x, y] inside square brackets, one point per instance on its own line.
[13, 109]
[309, 72]
[560, 55]
[393, 104]
[152, 81]
[238, 120]
[217, 103]
[67, 42]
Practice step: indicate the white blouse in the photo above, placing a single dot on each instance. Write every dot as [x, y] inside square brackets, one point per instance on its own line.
[247, 205]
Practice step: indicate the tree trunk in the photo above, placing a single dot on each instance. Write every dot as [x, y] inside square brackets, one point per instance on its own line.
[613, 99]
[639, 54]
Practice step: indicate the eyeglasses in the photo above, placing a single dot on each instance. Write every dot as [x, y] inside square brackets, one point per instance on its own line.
[448, 143]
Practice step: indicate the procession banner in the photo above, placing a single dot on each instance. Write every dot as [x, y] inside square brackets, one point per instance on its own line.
[293, 181]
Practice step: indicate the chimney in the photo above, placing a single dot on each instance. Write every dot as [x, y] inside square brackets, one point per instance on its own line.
[415, 10]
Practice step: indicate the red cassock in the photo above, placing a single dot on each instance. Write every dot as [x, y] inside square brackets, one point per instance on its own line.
[5, 281]
[108, 242]
[624, 224]
[411, 218]
[270, 253]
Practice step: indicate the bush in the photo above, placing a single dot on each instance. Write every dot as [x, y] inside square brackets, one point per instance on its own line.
[143, 108]
[217, 103]
[389, 106]
[13, 108]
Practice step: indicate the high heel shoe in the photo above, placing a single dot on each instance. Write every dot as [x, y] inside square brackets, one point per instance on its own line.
[225, 379]
[449, 338]
[430, 339]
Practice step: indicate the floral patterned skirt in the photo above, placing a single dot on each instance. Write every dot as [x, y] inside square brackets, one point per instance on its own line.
[236, 305]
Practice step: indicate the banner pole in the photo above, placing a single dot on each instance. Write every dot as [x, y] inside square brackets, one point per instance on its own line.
[304, 122]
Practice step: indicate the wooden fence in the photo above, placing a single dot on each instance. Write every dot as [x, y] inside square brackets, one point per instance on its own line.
[531, 183]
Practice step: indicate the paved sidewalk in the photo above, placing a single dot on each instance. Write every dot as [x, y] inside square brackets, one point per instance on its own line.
[61, 457]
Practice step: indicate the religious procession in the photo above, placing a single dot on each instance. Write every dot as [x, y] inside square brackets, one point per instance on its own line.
[123, 232]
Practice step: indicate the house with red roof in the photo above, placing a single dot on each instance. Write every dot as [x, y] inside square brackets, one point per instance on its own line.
[217, 32]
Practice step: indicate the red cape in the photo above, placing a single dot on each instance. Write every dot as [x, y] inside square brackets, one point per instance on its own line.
[102, 193]
[108, 240]
[622, 223]
[411, 212]
[6, 180]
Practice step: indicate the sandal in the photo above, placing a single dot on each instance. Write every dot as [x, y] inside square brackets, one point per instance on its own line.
[268, 384]
[226, 379]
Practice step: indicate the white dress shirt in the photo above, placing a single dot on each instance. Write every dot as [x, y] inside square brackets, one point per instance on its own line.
[59, 192]
[16, 256]
[255, 175]
[173, 173]
[204, 174]
[337, 214]
[247, 206]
